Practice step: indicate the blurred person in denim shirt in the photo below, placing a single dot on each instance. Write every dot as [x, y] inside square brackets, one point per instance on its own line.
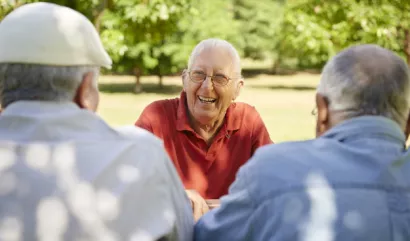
[350, 183]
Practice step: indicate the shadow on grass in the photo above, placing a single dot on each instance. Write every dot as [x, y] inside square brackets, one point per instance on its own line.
[249, 73]
[253, 72]
[284, 87]
[146, 88]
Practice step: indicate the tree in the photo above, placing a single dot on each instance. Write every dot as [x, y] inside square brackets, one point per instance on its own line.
[314, 30]
[213, 19]
[259, 26]
[6, 6]
[136, 32]
[93, 9]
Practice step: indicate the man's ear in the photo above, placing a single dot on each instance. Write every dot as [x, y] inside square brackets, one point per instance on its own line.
[85, 97]
[238, 88]
[184, 77]
[407, 130]
[323, 118]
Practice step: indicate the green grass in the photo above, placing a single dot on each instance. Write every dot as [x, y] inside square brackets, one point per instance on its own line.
[284, 102]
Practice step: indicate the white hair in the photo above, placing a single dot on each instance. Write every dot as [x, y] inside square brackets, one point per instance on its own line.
[212, 43]
[41, 82]
[367, 80]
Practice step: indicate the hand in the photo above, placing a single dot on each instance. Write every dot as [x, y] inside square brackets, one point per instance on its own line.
[199, 206]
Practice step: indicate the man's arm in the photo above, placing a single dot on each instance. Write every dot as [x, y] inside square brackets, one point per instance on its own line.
[232, 220]
[179, 199]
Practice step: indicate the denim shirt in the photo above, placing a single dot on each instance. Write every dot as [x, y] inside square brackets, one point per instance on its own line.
[352, 183]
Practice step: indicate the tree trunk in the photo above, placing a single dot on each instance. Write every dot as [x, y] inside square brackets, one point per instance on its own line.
[407, 45]
[137, 87]
[161, 83]
[97, 21]
[99, 12]
[276, 64]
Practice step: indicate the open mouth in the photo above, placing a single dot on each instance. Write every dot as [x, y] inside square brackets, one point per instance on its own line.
[206, 99]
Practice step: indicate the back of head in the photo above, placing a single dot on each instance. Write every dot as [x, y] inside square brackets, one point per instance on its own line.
[45, 50]
[367, 80]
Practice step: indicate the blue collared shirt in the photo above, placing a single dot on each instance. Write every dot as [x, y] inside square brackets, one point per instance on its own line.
[352, 183]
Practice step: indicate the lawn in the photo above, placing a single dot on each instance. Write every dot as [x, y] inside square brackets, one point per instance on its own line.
[284, 102]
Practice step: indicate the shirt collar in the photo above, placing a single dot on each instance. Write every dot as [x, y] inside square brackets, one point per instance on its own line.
[232, 117]
[366, 125]
[31, 108]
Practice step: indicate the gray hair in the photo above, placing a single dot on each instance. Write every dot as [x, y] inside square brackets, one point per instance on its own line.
[41, 82]
[367, 80]
[211, 43]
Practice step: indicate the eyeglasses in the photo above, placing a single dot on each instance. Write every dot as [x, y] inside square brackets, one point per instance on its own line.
[199, 77]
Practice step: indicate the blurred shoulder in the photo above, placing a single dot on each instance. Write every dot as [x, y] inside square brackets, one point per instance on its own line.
[285, 149]
[283, 163]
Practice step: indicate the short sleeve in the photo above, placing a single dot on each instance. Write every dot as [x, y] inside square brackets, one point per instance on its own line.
[260, 135]
[145, 119]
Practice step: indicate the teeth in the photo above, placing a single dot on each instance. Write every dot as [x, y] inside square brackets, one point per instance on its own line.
[208, 100]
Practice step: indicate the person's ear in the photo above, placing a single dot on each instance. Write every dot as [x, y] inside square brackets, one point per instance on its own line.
[238, 88]
[184, 78]
[323, 119]
[87, 96]
[407, 129]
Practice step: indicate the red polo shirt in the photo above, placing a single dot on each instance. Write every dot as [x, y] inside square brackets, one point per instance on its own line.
[208, 169]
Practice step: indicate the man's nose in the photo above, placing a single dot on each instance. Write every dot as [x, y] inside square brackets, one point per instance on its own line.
[207, 83]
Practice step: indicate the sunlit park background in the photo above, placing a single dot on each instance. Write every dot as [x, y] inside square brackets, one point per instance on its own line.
[283, 44]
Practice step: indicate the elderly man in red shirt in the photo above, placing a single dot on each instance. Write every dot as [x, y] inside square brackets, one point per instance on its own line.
[207, 135]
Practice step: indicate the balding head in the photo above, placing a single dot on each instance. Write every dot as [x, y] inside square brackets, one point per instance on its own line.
[213, 44]
[366, 80]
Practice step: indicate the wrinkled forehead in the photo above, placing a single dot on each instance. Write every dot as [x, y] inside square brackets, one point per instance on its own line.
[215, 58]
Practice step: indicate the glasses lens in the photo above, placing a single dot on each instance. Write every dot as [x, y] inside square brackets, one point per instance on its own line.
[197, 76]
[220, 80]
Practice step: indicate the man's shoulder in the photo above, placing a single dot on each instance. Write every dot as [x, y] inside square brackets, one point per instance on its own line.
[284, 163]
[160, 107]
[245, 113]
[285, 152]
[244, 108]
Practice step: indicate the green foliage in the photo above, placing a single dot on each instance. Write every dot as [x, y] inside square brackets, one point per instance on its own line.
[208, 19]
[260, 23]
[86, 7]
[314, 30]
[136, 32]
[157, 36]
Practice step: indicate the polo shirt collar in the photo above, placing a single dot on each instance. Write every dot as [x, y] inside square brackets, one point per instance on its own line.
[232, 120]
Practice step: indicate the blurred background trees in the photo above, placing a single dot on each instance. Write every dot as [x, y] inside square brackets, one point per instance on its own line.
[155, 37]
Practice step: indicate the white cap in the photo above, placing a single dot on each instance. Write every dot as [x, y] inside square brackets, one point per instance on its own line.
[49, 34]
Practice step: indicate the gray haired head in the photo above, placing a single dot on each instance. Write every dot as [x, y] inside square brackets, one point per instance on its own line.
[41, 82]
[367, 80]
